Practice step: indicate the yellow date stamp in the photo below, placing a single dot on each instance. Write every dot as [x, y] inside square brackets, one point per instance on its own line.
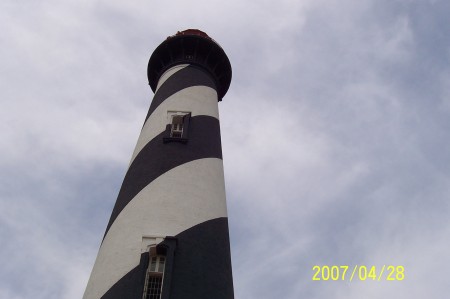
[358, 272]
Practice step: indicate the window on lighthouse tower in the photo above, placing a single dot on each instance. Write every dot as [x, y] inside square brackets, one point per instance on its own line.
[177, 127]
[154, 277]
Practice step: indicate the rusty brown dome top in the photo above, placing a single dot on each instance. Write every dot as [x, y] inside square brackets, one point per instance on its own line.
[192, 32]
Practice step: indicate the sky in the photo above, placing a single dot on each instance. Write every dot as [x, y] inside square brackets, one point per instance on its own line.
[334, 135]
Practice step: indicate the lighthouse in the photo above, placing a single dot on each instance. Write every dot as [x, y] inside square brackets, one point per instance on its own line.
[167, 237]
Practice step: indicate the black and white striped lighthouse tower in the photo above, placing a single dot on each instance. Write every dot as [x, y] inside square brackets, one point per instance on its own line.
[167, 237]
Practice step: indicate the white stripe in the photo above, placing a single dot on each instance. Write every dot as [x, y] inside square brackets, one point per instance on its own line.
[169, 73]
[181, 198]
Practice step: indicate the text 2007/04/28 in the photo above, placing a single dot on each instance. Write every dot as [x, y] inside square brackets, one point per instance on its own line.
[359, 272]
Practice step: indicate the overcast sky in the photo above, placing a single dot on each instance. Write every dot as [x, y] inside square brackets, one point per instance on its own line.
[335, 136]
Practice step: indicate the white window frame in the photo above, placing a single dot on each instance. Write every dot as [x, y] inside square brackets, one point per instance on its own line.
[157, 272]
[170, 119]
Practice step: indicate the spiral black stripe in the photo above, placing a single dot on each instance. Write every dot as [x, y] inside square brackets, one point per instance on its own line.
[184, 78]
[202, 256]
[158, 157]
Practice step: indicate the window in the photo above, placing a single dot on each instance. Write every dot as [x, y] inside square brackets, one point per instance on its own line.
[154, 277]
[177, 127]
